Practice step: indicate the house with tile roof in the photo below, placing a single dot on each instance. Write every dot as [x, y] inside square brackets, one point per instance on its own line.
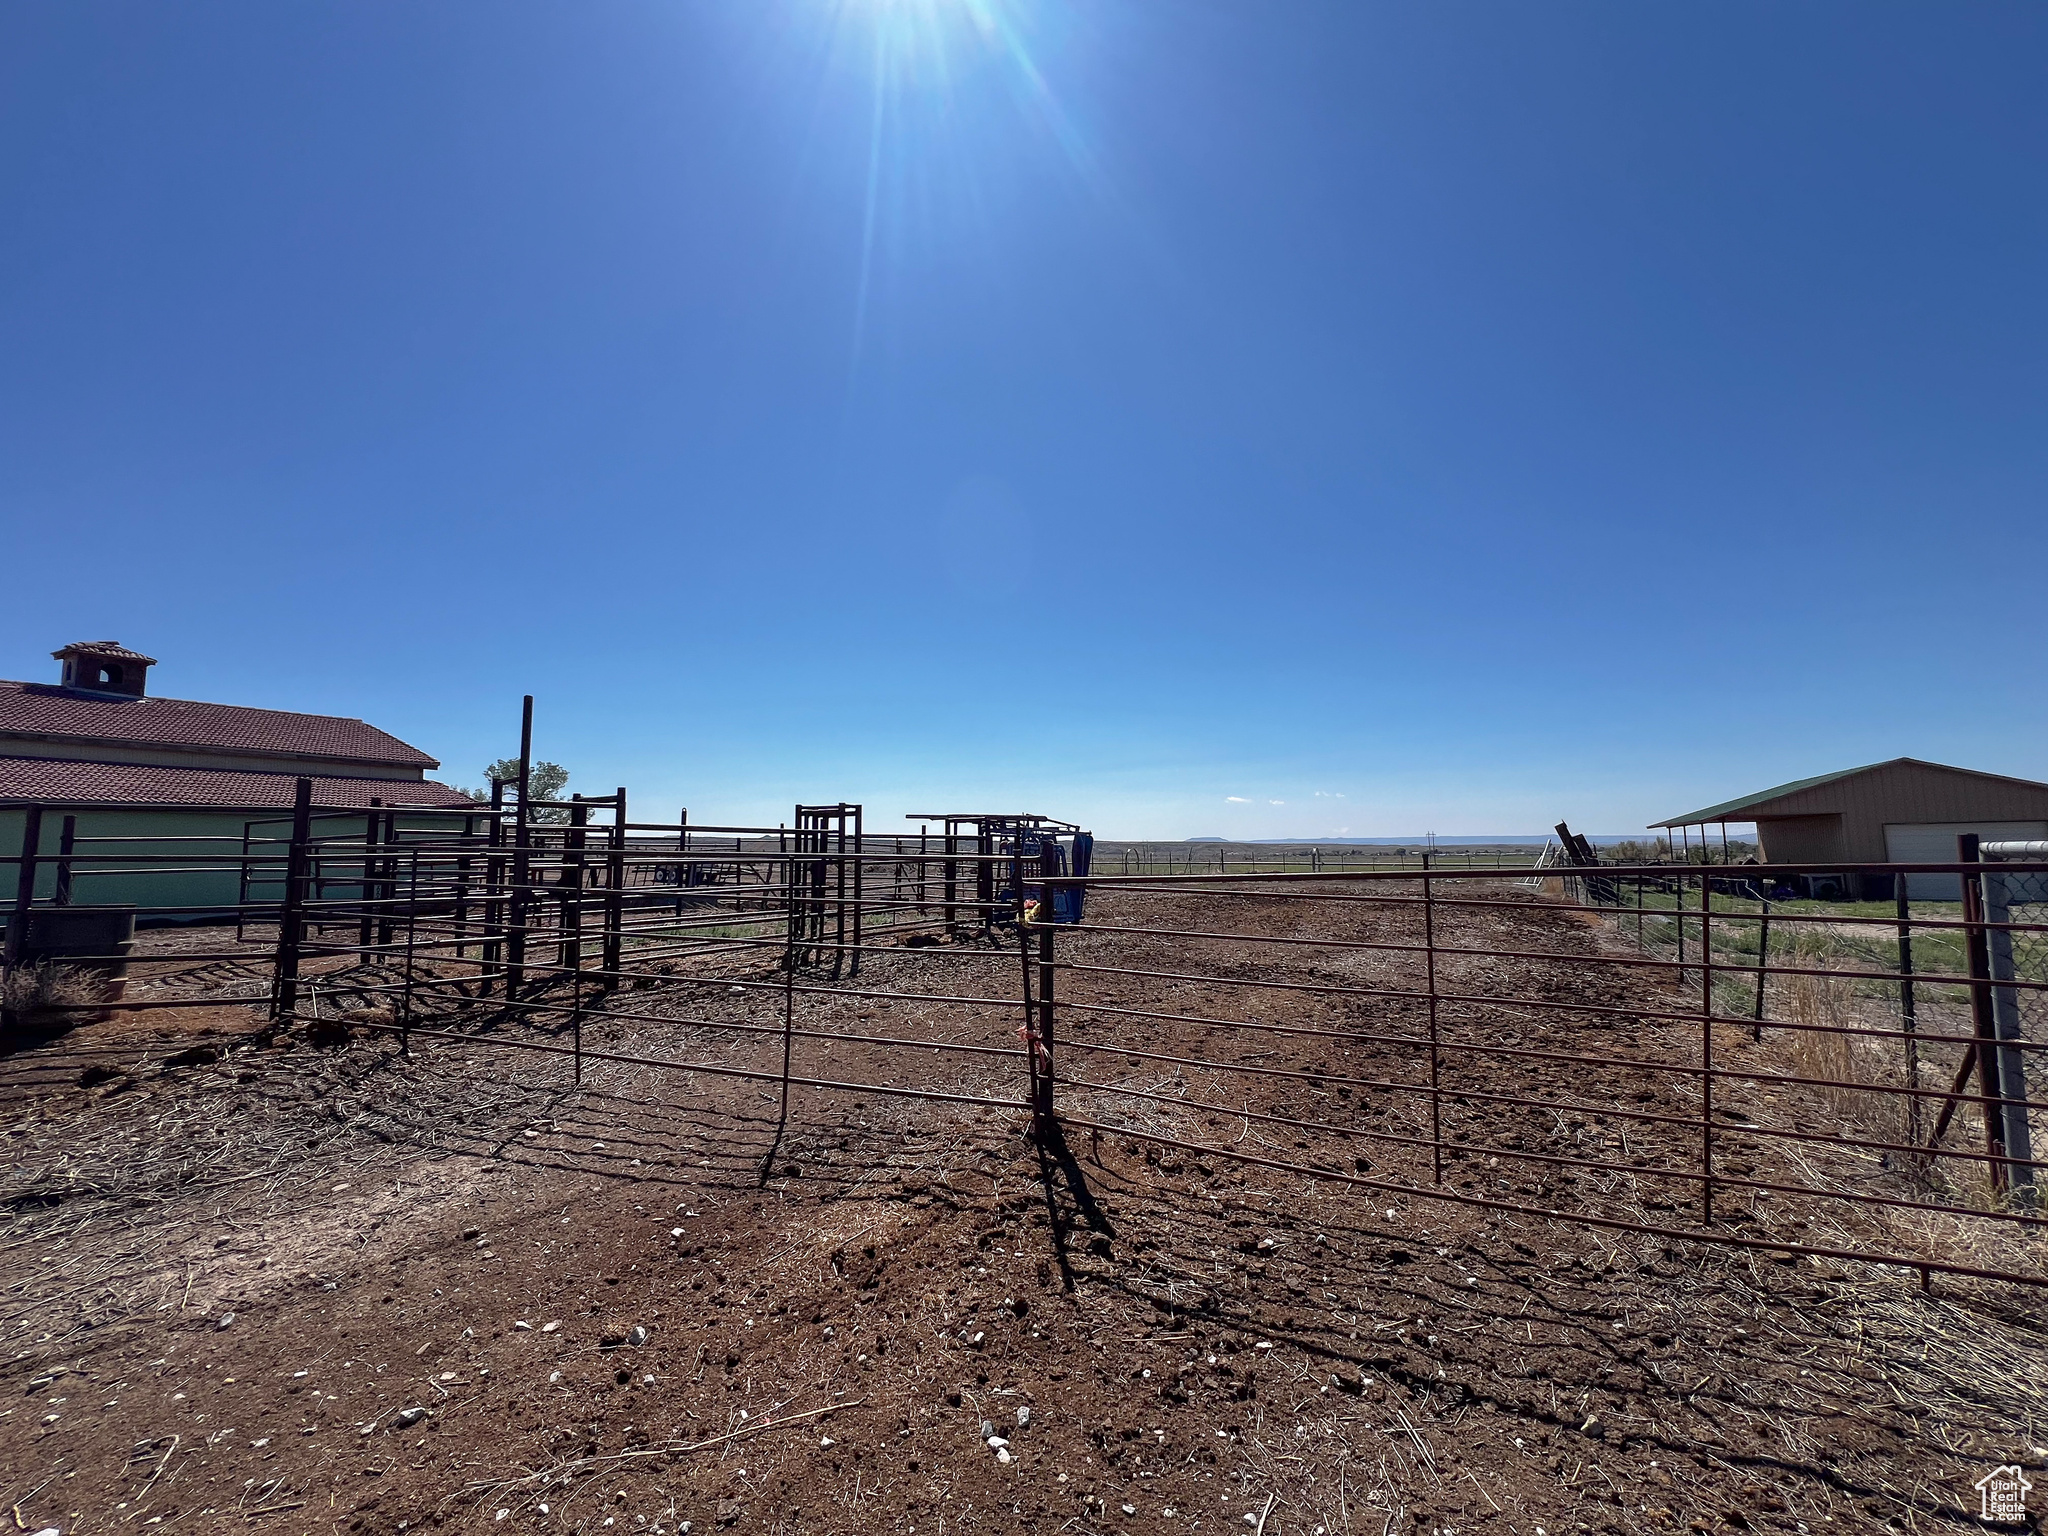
[96, 747]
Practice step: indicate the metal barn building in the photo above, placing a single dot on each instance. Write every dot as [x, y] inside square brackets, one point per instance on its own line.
[1901, 812]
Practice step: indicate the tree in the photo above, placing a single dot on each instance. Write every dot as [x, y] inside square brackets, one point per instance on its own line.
[544, 781]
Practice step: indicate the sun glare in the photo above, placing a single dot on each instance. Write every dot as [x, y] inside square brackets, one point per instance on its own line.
[938, 74]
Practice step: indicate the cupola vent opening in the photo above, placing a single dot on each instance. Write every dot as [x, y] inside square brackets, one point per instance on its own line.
[105, 666]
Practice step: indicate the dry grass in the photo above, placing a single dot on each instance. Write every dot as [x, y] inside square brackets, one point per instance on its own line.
[1824, 1007]
[48, 993]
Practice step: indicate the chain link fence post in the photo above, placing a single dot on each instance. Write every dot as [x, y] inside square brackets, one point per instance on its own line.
[2000, 891]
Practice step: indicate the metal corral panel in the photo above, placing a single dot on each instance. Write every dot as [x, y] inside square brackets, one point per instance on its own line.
[201, 853]
[1934, 842]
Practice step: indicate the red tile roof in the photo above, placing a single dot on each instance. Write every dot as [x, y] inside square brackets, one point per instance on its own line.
[110, 648]
[43, 710]
[61, 782]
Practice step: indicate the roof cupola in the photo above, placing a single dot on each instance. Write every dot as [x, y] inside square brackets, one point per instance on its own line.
[105, 666]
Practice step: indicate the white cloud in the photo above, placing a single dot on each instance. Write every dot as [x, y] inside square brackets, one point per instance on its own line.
[1237, 799]
[1276, 802]
[1324, 794]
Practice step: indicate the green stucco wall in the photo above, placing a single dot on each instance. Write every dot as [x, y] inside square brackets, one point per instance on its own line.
[181, 865]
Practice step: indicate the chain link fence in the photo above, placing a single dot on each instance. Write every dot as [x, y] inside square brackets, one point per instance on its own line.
[2019, 1013]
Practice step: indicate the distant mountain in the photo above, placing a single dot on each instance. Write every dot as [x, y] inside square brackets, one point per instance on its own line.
[1503, 840]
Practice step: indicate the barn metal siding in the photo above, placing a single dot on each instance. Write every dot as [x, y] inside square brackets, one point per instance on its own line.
[1905, 792]
[1801, 839]
[1935, 843]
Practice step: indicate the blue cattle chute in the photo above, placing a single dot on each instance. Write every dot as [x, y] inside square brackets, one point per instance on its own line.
[1067, 899]
[1068, 858]
[1005, 852]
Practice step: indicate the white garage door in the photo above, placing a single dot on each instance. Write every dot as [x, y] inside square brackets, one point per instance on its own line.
[1935, 843]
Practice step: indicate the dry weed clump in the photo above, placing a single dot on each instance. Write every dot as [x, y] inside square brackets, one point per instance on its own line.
[1824, 1009]
[1839, 1066]
[47, 993]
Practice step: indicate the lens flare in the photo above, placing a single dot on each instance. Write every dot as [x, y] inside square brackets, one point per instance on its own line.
[938, 75]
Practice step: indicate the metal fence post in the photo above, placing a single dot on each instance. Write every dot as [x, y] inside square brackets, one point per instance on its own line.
[924, 871]
[1985, 1047]
[569, 953]
[242, 887]
[1043, 1112]
[683, 846]
[1678, 920]
[2005, 1018]
[25, 880]
[1908, 1010]
[366, 931]
[859, 884]
[791, 924]
[387, 877]
[985, 876]
[1436, 1098]
[839, 891]
[1763, 964]
[522, 844]
[494, 892]
[949, 883]
[817, 894]
[615, 893]
[67, 840]
[1707, 1045]
[412, 918]
[284, 991]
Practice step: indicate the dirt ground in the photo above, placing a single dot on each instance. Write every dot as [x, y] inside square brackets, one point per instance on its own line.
[263, 1284]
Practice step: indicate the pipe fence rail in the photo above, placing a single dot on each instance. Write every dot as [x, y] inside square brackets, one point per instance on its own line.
[1676, 1052]
[1668, 1052]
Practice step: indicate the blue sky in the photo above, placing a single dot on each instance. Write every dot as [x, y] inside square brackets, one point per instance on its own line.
[1235, 419]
